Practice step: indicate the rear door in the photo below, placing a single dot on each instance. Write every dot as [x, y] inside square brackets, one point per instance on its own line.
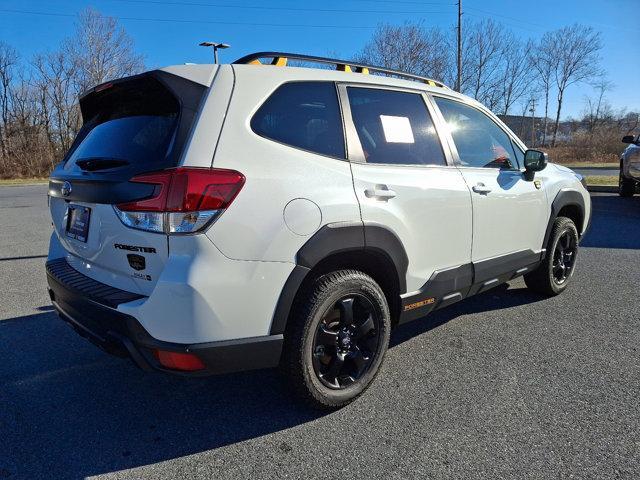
[132, 126]
[509, 212]
[403, 179]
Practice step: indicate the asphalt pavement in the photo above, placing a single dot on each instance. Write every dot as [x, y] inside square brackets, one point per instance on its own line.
[504, 385]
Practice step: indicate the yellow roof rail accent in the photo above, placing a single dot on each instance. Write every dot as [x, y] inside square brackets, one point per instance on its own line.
[279, 61]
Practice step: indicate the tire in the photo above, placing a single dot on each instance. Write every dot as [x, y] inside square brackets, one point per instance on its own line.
[328, 361]
[562, 250]
[626, 187]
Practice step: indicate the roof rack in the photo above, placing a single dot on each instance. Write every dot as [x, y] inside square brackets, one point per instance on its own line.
[280, 59]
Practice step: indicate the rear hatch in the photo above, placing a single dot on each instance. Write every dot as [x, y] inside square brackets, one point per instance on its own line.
[131, 127]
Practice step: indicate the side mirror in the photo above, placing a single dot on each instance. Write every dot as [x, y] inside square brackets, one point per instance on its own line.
[628, 139]
[535, 160]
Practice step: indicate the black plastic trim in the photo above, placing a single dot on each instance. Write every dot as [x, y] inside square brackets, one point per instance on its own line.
[384, 241]
[60, 271]
[563, 199]
[493, 267]
[90, 308]
[330, 239]
[451, 285]
[341, 237]
[440, 284]
[337, 238]
[287, 296]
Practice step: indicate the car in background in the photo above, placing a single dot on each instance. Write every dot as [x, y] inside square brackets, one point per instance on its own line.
[629, 167]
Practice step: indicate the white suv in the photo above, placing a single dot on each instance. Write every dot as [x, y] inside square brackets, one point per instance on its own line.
[211, 218]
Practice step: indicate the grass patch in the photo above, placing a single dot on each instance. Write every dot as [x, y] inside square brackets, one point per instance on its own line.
[591, 164]
[22, 181]
[602, 180]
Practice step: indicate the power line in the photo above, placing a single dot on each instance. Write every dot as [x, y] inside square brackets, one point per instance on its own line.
[513, 19]
[545, 27]
[519, 27]
[259, 7]
[394, 2]
[212, 22]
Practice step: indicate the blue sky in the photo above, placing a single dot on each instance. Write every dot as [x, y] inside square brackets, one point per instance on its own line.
[168, 31]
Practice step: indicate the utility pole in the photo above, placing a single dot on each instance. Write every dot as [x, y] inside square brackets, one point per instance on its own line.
[459, 79]
[533, 122]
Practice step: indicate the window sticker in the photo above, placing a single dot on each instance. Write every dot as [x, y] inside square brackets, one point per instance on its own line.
[397, 129]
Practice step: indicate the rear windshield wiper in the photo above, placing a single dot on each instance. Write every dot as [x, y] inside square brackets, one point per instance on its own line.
[100, 163]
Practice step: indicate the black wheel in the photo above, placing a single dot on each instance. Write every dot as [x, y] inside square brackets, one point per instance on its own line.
[555, 272]
[336, 338]
[626, 187]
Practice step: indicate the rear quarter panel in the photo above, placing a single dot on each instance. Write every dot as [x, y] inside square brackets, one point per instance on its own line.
[253, 228]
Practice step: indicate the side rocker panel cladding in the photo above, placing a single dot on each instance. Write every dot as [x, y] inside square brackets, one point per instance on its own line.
[332, 239]
[454, 284]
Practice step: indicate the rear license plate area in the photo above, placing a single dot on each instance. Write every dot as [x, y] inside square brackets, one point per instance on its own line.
[78, 218]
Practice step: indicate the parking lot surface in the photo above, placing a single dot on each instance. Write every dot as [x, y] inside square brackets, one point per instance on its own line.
[504, 385]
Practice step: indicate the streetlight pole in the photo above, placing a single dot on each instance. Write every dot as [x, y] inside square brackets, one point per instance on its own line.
[215, 47]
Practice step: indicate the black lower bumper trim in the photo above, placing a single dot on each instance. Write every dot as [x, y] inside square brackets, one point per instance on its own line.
[122, 335]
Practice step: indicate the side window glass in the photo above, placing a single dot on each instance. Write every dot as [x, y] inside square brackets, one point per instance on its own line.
[304, 115]
[394, 127]
[479, 140]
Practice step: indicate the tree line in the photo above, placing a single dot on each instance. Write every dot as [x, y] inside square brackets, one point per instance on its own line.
[40, 115]
[515, 78]
[507, 74]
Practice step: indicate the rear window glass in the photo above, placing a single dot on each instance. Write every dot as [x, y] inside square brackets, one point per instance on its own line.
[304, 115]
[132, 126]
[394, 127]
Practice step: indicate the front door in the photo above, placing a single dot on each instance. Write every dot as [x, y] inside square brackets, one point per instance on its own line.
[509, 211]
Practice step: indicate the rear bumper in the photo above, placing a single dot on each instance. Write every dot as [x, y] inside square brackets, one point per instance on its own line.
[90, 307]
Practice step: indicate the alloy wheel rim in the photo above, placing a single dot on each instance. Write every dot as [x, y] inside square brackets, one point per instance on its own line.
[564, 257]
[346, 342]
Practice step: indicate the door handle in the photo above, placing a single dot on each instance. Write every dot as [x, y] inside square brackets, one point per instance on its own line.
[481, 188]
[380, 192]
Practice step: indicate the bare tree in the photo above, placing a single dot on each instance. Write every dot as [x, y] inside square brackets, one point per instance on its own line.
[410, 48]
[575, 53]
[543, 62]
[8, 62]
[483, 45]
[515, 72]
[101, 50]
[597, 108]
[55, 82]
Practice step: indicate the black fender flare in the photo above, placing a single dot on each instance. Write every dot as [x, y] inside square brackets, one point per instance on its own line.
[563, 199]
[335, 238]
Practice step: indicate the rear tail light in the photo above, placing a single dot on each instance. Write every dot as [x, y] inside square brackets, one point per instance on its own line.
[185, 200]
[186, 362]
